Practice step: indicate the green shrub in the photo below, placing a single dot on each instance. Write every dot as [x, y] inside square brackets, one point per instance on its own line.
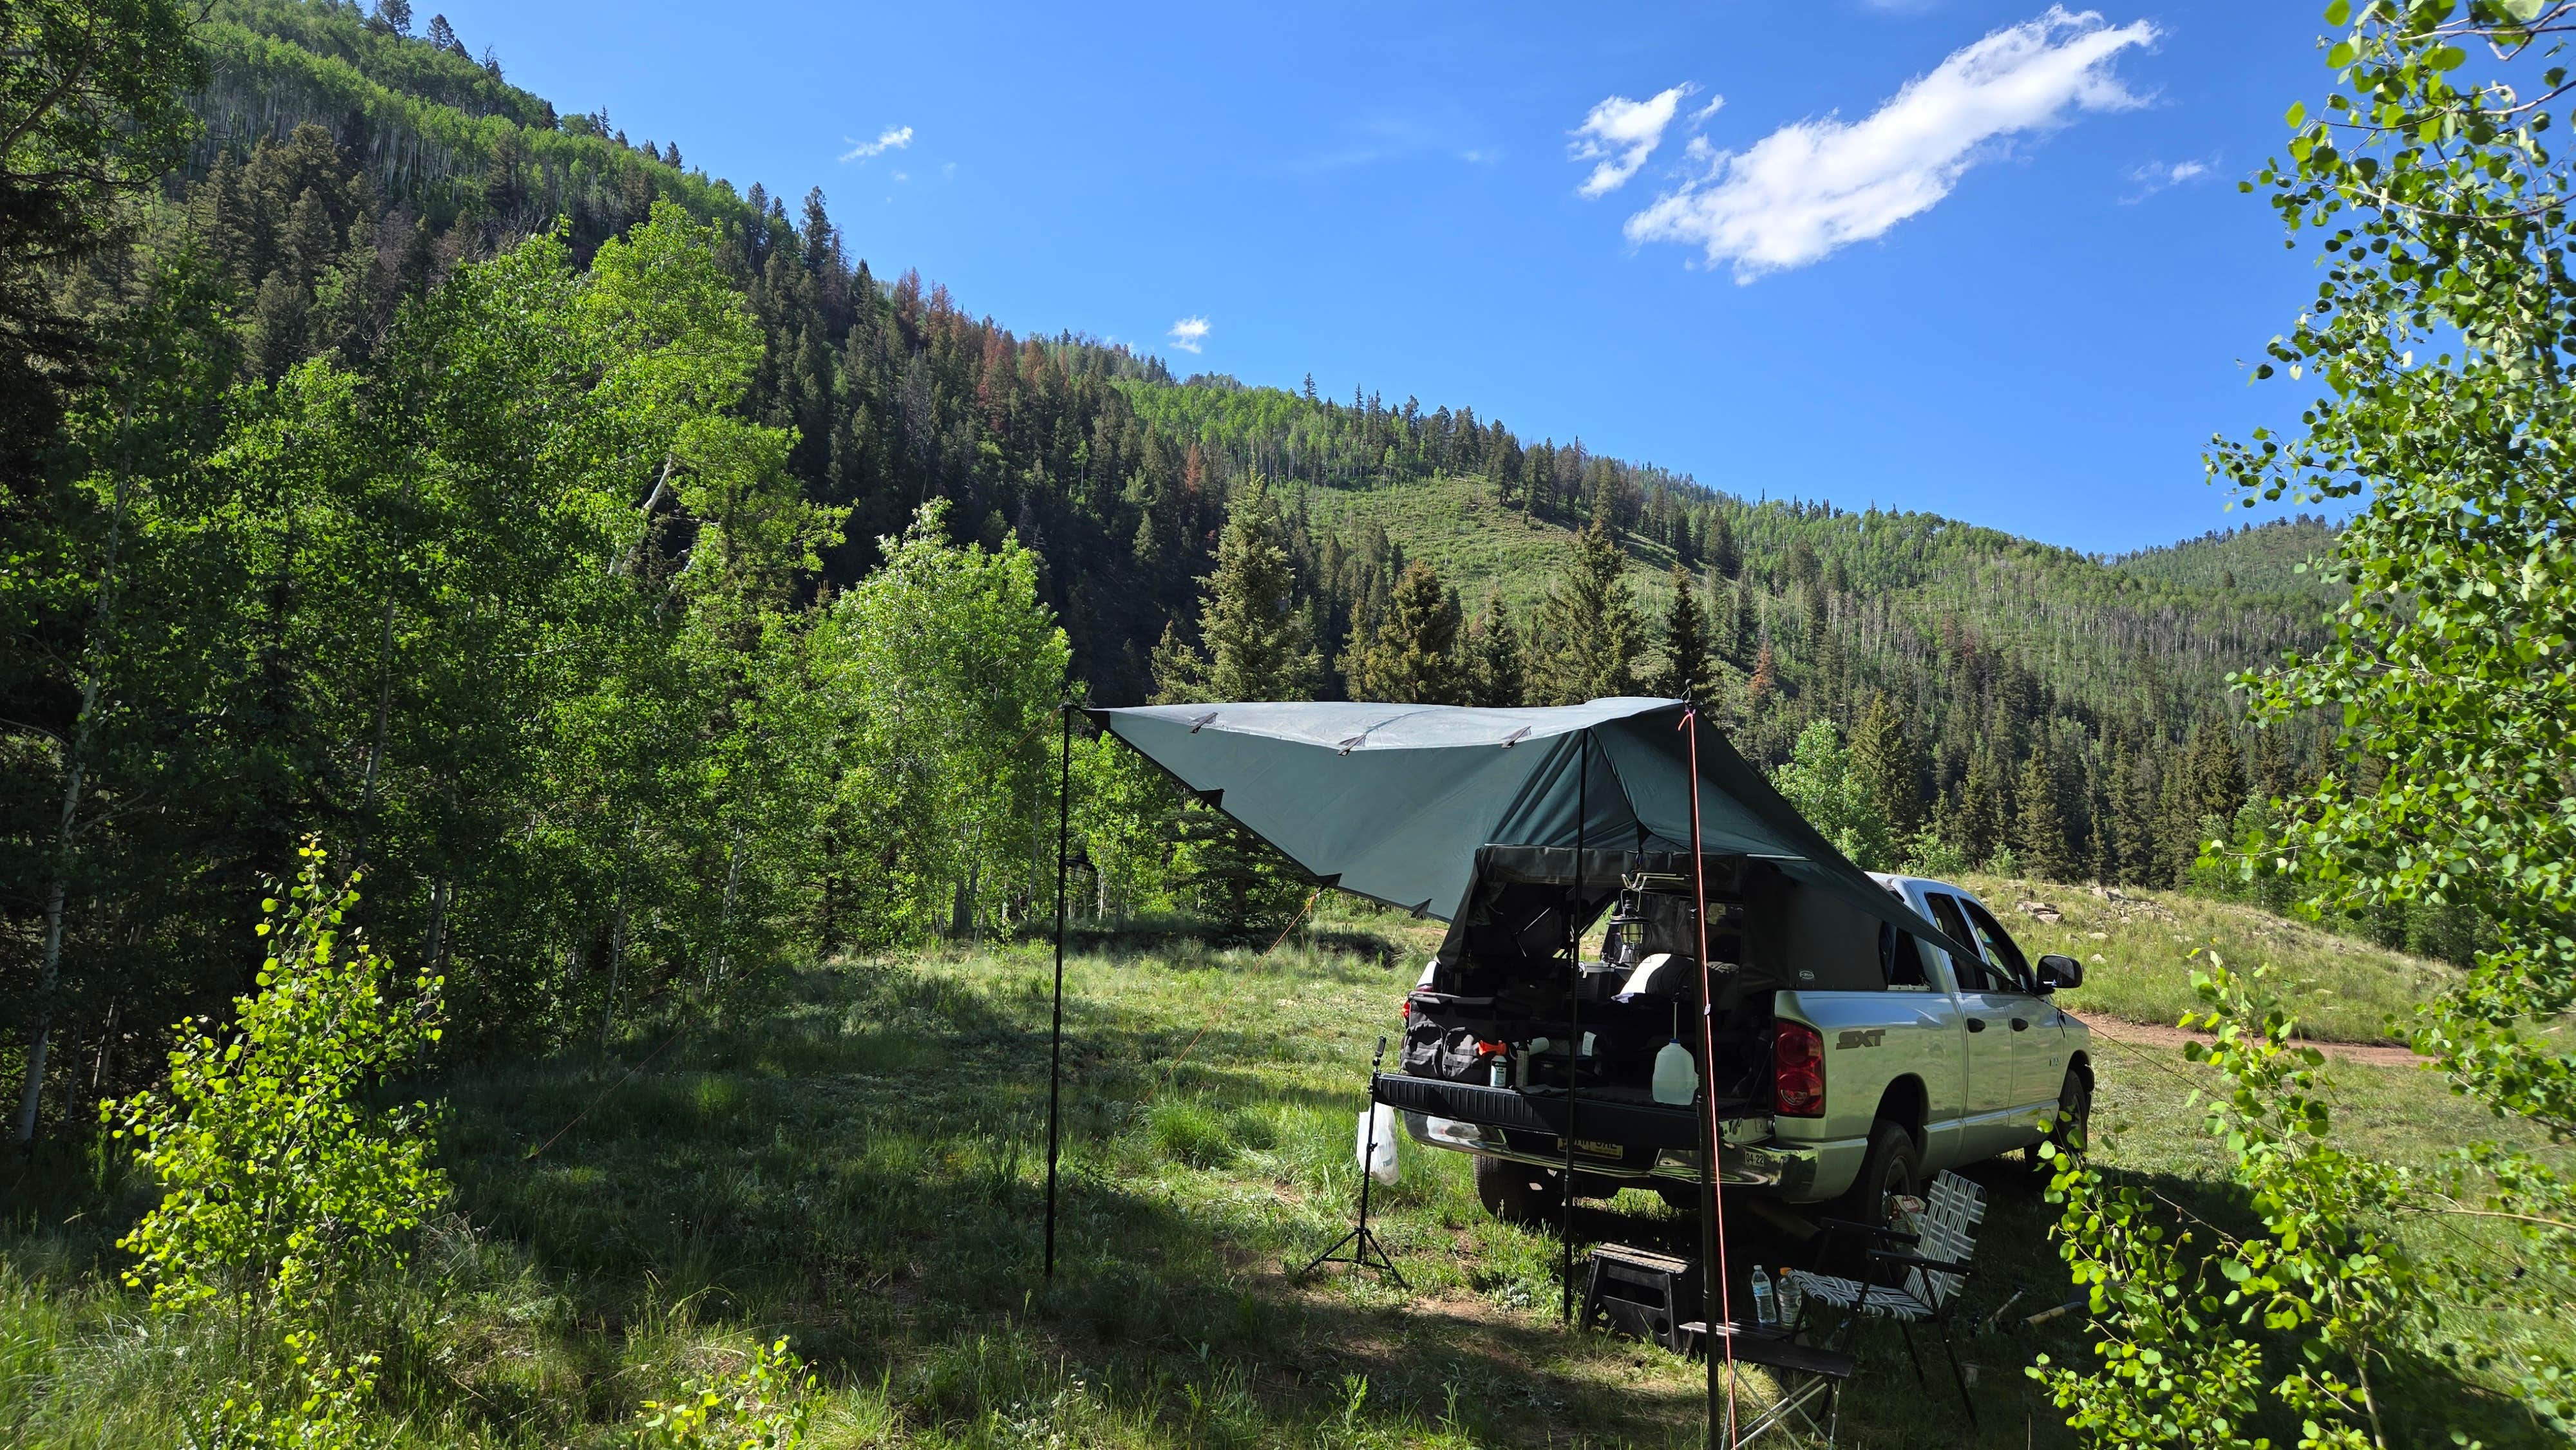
[280, 1188]
[766, 1406]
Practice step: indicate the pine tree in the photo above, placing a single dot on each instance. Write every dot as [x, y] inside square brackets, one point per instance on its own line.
[1685, 674]
[443, 35]
[1494, 657]
[1888, 767]
[1415, 658]
[1743, 628]
[1979, 823]
[2039, 820]
[1724, 559]
[1589, 634]
[2270, 770]
[2215, 773]
[1255, 643]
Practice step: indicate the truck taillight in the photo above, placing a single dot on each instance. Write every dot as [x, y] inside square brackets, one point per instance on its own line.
[1408, 1009]
[1797, 1071]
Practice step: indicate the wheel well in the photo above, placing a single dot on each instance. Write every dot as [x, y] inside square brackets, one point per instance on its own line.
[1906, 1105]
[2082, 1066]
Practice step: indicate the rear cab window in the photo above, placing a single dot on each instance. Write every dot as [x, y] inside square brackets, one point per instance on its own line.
[1903, 960]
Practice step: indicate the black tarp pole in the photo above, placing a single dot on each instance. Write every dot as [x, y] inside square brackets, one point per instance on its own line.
[1055, 1047]
[1574, 1019]
[1712, 1231]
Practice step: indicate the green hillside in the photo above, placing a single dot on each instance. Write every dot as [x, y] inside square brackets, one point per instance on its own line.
[2254, 558]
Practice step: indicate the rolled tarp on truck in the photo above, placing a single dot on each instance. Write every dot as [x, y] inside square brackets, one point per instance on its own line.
[1394, 802]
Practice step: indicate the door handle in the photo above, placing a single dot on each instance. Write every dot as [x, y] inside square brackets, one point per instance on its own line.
[2020, 1025]
[1976, 1024]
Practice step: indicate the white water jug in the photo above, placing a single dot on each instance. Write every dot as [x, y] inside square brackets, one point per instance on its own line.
[1378, 1162]
[1676, 1076]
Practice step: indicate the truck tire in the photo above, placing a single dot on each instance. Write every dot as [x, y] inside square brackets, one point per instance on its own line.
[1892, 1165]
[1516, 1193]
[2074, 1121]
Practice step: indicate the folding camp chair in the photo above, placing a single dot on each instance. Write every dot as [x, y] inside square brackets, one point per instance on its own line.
[1924, 1277]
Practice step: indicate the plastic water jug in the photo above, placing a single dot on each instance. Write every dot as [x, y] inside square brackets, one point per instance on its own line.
[1676, 1076]
[1378, 1160]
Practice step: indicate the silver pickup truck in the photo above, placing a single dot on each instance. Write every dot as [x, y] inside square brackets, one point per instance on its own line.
[1849, 1071]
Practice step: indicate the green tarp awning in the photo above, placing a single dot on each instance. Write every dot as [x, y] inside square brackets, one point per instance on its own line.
[1392, 801]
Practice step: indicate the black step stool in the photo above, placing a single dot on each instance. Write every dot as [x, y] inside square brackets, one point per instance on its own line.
[1645, 1295]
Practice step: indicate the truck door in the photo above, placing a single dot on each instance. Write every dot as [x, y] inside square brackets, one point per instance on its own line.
[1986, 1008]
[2038, 1044]
[1927, 1027]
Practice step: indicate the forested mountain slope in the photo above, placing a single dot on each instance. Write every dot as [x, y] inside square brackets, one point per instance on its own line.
[2260, 558]
[1117, 473]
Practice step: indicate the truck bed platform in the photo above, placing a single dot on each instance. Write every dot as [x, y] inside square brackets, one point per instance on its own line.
[1602, 1117]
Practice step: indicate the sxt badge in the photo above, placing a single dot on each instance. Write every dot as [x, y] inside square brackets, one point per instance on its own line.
[1860, 1037]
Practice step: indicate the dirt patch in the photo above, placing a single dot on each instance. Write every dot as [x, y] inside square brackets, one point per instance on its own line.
[2149, 1034]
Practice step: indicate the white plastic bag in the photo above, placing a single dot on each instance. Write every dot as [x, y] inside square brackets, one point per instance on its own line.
[1381, 1166]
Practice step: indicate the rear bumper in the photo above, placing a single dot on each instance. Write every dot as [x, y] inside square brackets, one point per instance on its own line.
[1628, 1142]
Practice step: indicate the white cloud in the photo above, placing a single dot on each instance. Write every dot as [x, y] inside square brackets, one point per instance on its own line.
[892, 138]
[1619, 134]
[1189, 334]
[2157, 176]
[1813, 187]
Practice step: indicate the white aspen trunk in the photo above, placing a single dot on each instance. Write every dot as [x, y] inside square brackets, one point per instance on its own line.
[617, 932]
[376, 751]
[627, 561]
[724, 918]
[616, 967]
[434, 950]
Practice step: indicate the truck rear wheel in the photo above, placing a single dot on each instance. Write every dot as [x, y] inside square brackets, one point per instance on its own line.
[1517, 1193]
[1893, 1165]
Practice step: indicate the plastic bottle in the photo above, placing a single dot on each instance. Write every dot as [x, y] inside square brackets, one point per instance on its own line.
[1676, 1076]
[1792, 1298]
[1766, 1309]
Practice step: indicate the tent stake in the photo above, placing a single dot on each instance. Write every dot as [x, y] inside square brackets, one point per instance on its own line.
[1574, 1021]
[1712, 1232]
[1055, 1047]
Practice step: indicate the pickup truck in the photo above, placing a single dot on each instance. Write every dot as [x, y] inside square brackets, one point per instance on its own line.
[1843, 1080]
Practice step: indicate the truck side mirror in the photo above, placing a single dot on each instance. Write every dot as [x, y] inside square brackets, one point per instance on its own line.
[2056, 971]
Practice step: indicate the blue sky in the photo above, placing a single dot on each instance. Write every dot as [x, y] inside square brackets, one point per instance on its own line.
[1984, 259]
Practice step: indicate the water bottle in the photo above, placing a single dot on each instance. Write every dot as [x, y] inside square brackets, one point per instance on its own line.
[1676, 1076]
[1792, 1298]
[1766, 1309]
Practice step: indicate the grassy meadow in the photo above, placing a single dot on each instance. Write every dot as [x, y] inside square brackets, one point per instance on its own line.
[854, 1158]
[2135, 945]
